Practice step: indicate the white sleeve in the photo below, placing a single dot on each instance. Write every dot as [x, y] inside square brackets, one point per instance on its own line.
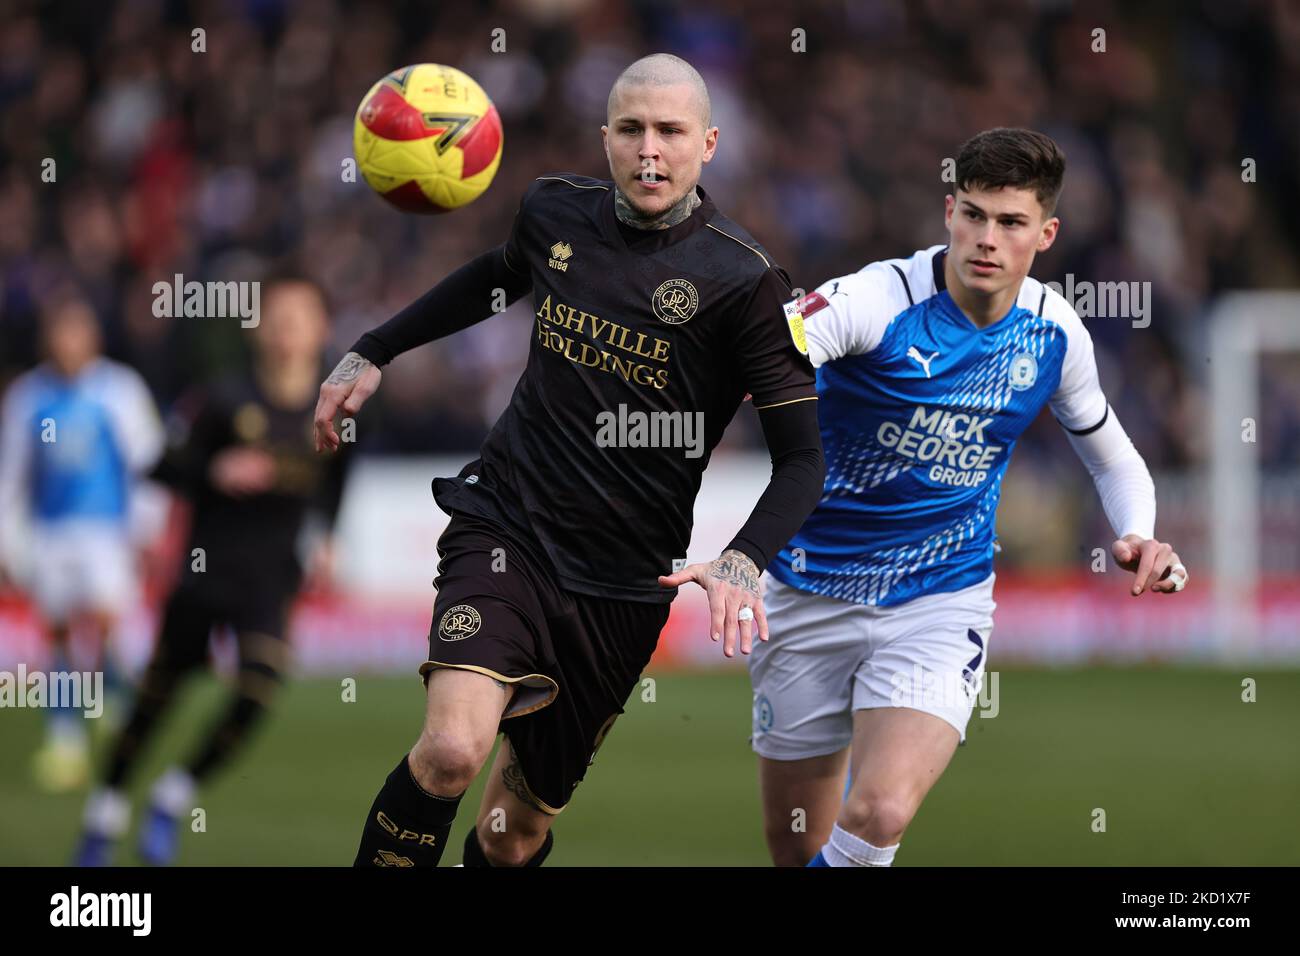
[15, 461]
[1078, 402]
[1127, 492]
[138, 427]
[1128, 495]
[849, 315]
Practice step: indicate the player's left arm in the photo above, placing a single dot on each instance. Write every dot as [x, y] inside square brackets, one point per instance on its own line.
[777, 373]
[1123, 482]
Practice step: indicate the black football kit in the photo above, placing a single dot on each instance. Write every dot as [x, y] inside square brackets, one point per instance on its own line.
[644, 343]
[240, 568]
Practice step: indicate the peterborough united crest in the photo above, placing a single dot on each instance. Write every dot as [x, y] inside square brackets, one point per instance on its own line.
[460, 622]
[675, 301]
[1023, 372]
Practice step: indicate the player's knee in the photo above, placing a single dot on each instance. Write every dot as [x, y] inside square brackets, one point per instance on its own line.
[879, 818]
[446, 763]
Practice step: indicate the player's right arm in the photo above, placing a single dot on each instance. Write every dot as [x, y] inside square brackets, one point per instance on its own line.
[1121, 477]
[467, 296]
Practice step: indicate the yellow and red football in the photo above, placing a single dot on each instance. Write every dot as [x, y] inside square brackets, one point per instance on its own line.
[427, 138]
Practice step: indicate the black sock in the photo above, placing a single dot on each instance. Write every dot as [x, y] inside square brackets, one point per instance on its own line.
[225, 738]
[407, 825]
[153, 698]
[474, 855]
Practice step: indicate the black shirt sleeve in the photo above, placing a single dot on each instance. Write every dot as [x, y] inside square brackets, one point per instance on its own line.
[798, 471]
[464, 298]
[772, 368]
[781, 381]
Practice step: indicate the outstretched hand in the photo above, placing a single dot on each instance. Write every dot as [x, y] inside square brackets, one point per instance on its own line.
[353, 380]
[731, 582]
[1155, 565]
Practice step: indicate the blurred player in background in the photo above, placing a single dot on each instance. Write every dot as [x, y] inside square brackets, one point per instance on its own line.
[553, 584]
[928, 370]
[242, 456]
[75, 434]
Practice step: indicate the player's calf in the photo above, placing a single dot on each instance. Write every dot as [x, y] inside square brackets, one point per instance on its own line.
[407, 826]
[513, 827]
[485, 846]
[792, 849]
[801, 799]
[410, 819]
[898, 754]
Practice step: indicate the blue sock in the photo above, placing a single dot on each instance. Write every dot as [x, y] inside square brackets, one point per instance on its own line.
[63, 721]
[114, 680]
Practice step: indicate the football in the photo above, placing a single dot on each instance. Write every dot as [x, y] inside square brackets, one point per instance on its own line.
[427, 138]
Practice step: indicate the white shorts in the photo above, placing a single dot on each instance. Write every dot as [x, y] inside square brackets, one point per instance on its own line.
[82, 566]
[826, 658]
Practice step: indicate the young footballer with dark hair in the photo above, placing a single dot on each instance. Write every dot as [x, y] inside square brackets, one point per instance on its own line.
[928, 370]
[650, 307]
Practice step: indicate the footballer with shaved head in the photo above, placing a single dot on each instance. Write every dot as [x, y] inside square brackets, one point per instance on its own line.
[650, 307]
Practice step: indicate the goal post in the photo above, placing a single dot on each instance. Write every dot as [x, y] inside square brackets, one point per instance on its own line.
[1243, 327]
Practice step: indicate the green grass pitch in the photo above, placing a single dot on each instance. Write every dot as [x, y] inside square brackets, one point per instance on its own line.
[1186, 772]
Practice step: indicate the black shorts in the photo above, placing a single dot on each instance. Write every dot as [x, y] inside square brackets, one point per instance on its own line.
[259, 620]
[574, 658]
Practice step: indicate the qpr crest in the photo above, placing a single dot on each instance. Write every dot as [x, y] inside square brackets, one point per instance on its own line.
[675, 301]
[460, 622]
[1023, 372]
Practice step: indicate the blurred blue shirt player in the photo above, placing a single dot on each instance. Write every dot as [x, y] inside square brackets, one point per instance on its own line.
[75, 432]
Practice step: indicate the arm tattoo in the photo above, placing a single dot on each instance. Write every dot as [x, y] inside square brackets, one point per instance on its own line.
[735, 567]
[678, 212]
[513, 778]
[351, 366]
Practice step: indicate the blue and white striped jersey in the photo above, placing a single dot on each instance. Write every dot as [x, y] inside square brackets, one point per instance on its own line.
[920, 409]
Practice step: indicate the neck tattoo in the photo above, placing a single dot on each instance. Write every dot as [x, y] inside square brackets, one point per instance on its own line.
[674, 214]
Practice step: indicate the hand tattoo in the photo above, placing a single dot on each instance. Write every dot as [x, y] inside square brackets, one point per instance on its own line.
[736, 567]
[351, 366]
[678, 212]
